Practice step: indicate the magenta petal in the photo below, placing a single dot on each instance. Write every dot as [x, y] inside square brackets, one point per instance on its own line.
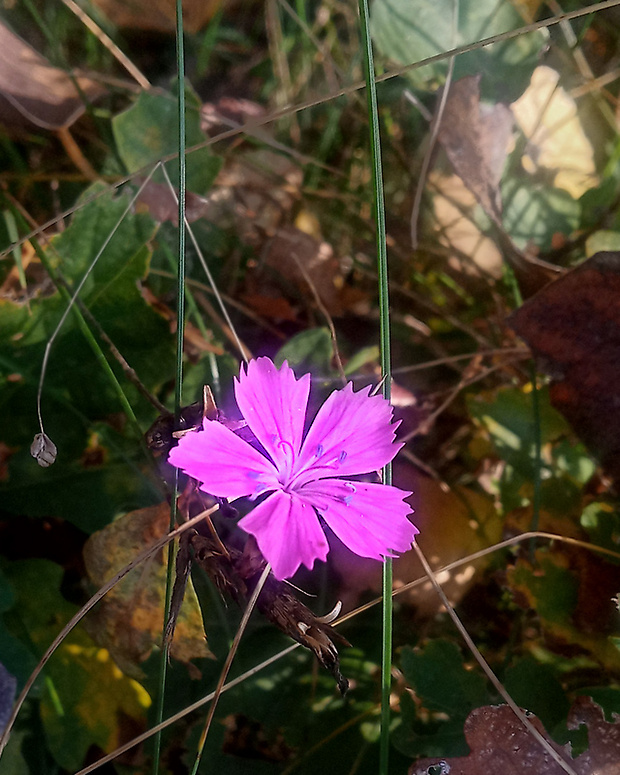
[273, 403]
[288, 533]
[227, 466]
[370, 519]
[351, 434]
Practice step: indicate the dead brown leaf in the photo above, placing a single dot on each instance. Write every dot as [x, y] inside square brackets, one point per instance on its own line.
[301, 259]
[32, 92]
[573, 328]
[158, 15]
[475, 138]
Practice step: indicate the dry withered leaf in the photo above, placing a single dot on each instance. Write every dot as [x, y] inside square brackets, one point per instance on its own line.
[254, 192]
[295, 259]
[128, 621]
[500, 743]
[475, 138]
[158, 15]
[235, 574]
[452, 201]
[32, 92]
[573, 328]
[43, 450]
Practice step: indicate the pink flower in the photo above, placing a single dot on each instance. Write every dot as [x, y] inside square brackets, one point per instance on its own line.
[351, 434]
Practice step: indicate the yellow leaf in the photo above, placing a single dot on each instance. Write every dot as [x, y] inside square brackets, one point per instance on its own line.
[129, 620]
[556, 140]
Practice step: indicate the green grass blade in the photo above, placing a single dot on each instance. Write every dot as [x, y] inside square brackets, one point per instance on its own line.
[384, 313]
[178, 390]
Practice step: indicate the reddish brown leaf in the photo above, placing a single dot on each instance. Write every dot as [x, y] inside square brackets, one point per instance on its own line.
[500, 743]
[603, 754]
[573, 329]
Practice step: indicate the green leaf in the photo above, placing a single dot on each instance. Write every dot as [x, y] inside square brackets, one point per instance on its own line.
[536, 688]
[440, 680]
[14, 655]
[96, 474]
[407, 31]
[574, 460]
[507, 415]
[551, 590]
[602, 240]
[601, 521]
[7, 594]
[86, 495]
[534, 213]
[608, 697]
[13, 762]
[310, 350]
[148, 131]
[417, 737]
[366, 355]
[112, 292]
[448, 690]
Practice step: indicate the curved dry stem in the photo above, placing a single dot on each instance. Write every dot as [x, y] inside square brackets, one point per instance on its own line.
[76, 293]
[519, 352]
[86, 608]
[107, 41]
[326, 315]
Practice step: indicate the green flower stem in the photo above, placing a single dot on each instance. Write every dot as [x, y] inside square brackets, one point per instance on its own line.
[178, 391]
[384, 316]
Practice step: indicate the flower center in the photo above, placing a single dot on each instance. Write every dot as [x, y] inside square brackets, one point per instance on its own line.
[320, 467]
